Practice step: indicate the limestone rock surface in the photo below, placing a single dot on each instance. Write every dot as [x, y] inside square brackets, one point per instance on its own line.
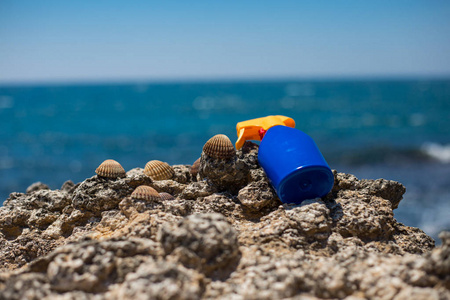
[218, 239]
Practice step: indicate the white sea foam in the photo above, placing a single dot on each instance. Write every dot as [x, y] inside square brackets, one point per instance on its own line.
[437, 151]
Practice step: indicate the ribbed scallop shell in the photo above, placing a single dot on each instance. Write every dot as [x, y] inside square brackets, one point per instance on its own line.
[158, 170]
[195, 167]
[219, 146]
[111, 169]
[166, 196]
[147, 193]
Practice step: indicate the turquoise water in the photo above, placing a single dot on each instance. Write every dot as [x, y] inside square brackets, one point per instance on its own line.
[397, 130]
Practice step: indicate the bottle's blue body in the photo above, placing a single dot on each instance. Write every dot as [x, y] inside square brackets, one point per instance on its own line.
[294, 165]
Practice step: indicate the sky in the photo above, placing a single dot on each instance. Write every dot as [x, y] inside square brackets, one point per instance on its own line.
[89, 41]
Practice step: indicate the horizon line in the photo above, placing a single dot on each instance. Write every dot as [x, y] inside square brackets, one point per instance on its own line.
[223, 79]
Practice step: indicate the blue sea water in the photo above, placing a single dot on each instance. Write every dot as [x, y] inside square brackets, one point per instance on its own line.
[393, 129]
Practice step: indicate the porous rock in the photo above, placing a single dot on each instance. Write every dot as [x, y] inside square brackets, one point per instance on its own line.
[98, 194]
[296, 225]
[387, 189]
[221, 203]
[89, 266]
[258, 195]
[365, 217]
[92, 241]
[36, 187]
[230, 174]
[22, 218]
[182, 173]
[168, 186]
[205, 242]
[129, 206]
[437, 262]
[196, 190]
[178, 207]
[24, 249]
[248, 154]
[160, 280]
[227, 175]
[68, 186]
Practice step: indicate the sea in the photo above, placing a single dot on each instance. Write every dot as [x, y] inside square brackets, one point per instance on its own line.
[392, 129]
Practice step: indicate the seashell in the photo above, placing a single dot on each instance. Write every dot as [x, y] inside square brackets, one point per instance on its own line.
[158, 170]
[145, 192]
[111, 169]
[166, 196]
[195, 167]
[219, 146]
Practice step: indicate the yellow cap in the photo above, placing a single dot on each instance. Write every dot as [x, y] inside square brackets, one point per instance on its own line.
[250, 130]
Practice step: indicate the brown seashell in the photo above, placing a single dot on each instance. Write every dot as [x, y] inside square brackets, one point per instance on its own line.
[158, 170]
[111, 169]
[195, 167]
[166, 196]
[219, 146]
[147, 193]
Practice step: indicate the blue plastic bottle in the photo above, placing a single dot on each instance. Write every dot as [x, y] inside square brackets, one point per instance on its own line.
[294, 165]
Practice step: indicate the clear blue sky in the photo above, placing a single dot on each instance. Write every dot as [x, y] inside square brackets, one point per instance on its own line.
[127, 40]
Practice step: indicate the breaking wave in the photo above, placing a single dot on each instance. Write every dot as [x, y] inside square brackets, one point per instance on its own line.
[437, 151]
